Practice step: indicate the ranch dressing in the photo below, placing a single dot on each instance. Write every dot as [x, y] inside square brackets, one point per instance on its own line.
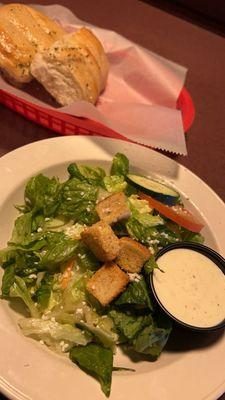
[192, 287]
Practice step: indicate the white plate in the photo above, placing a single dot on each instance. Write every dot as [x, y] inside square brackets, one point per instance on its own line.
[190, 370]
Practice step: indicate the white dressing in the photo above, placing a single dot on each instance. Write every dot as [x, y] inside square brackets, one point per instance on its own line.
[192, 287]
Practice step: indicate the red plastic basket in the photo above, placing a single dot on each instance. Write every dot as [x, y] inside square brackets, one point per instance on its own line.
[65, 124]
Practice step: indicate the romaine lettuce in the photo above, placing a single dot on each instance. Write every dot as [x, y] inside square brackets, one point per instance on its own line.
[96, 361]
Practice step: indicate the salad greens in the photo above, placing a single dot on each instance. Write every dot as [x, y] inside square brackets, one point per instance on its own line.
[47, 266]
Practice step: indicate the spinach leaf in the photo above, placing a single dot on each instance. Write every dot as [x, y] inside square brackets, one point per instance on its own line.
[120, 165]
[129, 324]
[136, 295]
[8, 280]
[96, 361]
[78, 200]
[93, 176]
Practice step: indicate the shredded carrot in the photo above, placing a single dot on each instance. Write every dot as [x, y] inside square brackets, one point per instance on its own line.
[67, 274]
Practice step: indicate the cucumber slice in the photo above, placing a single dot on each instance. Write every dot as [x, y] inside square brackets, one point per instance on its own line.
[155, 189]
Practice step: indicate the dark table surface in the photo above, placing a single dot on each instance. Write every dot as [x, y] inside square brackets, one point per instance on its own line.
[200, 50]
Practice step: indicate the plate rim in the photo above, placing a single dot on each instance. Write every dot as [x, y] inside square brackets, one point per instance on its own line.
[4, 159]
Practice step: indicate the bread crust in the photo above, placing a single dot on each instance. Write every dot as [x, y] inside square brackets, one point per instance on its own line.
[23, 32]
[71, 68]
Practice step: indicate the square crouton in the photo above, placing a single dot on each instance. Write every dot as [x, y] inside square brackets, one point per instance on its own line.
[132, 255]
[107, 283]
[102, 241]
[113, 209]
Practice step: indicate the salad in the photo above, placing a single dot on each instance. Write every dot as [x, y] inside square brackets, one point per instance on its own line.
[80, 256]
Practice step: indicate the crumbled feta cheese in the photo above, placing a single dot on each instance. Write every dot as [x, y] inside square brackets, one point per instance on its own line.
[79, 311]
[154, 241]
[47, 219]
[151, 249]
[75, 230]
[41, 342]
[134, 277]
[32, 276]
[69, 198]
[53, 319]
[44, 317]
[88, 209]
[39, 229]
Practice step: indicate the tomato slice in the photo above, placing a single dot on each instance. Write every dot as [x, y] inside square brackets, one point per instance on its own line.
[177, 214]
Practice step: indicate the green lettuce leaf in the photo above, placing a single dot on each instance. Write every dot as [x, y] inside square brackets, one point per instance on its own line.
[150, 265]
[120, 165]
[91, 175]
[41, 195]
[19, 289]
[75, 293]
[96, 361]
[151, 340]
[129, 324]
[115, 183]
[136, 295]
[106, 337]
[59, 248]
[8, 280]
[22, 228]
[43, 293]
[47, 329]
[78, 200]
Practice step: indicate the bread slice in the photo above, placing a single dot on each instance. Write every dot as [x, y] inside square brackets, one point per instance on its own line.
[69, 70]
[23, 32]
[86, 38]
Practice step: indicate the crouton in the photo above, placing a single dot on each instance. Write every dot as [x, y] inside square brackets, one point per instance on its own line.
[107, 283]
[113, 209]
[132, 255]
[102, 241]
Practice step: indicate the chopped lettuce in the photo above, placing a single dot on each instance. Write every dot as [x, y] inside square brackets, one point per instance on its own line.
[93, 176]
[135, 296]
[120, 165]
[142, 206]
[43, 293]
[105, 337]
[129, 324]
[115, 183]
[8, 280]
[42, 195]
[50, 329]
[96, 361]
[22, 228]
[151, 340]
[19, 289]
[78, 200]
[59, 248]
